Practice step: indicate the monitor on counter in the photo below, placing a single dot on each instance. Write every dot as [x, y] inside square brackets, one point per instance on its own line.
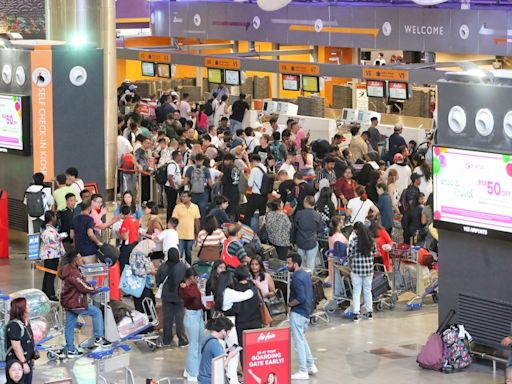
[375, 88]
[163, 70]
[214, 75]
[311, 83]
[232, 77]
[472, 191]
[15, 124]
[291, 82]
[398, 90]
[148, 69]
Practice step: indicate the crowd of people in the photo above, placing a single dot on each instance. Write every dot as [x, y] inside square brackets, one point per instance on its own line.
[219, 182]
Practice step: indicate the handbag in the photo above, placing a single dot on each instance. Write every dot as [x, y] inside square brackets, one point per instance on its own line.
[130, 283]
[197, 253]
[266, 319]
[158, 293]
[276, 305]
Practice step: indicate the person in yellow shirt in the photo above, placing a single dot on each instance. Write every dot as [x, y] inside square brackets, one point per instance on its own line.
[189, 224]
[358, 147]
[59, 195]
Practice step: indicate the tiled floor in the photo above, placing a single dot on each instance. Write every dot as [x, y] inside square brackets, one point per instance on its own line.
[378, 351]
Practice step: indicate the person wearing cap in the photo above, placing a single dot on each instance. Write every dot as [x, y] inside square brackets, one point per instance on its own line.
[407, 203]
[395, 142]
[237, 113]
[165, 107]
[403, 170]
[199, 179]
[358, 146]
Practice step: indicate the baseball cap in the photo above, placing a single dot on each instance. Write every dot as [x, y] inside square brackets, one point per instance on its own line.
[132, 87]
[415, 176]
[174, 93]
[398, 158]
[398, 127]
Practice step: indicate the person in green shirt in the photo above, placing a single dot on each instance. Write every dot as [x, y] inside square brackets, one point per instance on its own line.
[59, 195]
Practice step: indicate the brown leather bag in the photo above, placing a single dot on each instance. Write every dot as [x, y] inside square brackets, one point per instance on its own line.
[266, 318]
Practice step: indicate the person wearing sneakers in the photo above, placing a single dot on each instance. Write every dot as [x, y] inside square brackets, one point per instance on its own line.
[361, 252]
[300, 306]
[73, 299]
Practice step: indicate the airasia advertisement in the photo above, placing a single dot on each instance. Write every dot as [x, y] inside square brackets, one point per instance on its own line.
[267, 356]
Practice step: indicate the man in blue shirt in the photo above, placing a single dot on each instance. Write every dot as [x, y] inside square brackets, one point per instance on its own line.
[395, 142]
[300, 306]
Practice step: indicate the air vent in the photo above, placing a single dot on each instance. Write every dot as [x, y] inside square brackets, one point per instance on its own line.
[488, 321]
[17, 215]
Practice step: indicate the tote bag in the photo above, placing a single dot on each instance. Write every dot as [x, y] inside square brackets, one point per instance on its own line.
[130, 283]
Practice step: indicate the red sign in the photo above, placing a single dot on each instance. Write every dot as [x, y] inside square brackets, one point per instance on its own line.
[398, 91]
[267, 356]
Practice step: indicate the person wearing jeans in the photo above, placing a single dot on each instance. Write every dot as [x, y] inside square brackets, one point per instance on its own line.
[189, 216]
[201, 200]
[191, 295]
[361, 251]
[73, 299]
[309, 256]
[186, 250]
[300, 306]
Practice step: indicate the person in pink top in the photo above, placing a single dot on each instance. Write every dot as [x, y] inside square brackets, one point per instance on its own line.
[97, 212]
[298, 133]
[335, 234]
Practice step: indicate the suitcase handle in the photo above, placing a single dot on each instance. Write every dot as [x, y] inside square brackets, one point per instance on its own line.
[445, 321]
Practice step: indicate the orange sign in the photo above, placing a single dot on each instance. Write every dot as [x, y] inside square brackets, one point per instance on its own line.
[299, 68]
[215, 62]
[386, 74]
[156, 57]
[42, 113]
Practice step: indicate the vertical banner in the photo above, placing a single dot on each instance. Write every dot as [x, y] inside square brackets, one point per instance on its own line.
[42, 112]
[267, 356]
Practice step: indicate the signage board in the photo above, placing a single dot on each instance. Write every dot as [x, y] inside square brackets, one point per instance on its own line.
[299, 69]
[380, 73]
[223, 63]
[156, 57]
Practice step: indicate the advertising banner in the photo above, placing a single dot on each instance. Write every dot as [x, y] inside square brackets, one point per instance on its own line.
[11, 125]
[267, 356]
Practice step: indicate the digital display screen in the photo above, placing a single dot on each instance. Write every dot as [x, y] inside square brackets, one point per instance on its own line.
[375, 88]
[11, 123]
[472, 191]
[164, 70]
[291, 82]
[148, 69]
[232, 77]
[214, 75]
[398, 91]
[310, 83]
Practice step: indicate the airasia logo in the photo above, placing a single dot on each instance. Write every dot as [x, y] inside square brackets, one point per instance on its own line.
[263, 337]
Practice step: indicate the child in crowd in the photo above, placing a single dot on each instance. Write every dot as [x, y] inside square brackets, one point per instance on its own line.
[128, 234]
[169, 237]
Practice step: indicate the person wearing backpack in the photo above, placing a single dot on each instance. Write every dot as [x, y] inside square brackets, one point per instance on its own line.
[260, 182]
[38, 199]
[407, 205]
[199, 179]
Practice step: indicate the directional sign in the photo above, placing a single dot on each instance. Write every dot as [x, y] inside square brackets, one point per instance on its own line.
[299, 69]
[156, 57]
[380, 73]
[222, 63]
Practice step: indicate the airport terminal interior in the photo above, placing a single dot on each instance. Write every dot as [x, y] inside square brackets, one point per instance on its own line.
[255, 191]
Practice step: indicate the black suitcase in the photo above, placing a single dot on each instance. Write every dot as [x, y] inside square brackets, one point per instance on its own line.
[380, 284]
[268, 252]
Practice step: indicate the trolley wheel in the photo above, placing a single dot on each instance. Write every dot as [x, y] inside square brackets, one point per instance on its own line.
[380, 306]
[313, 320]
[435, 298]
[331, 307]
[151, 345]
[392, 304]
[52, 356]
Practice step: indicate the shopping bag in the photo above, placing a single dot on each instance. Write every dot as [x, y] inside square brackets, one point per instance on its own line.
[130, 283]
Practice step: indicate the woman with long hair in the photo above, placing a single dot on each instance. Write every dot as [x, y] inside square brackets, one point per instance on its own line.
[393, 191]
[210, 240]
[51, 250]
[261, 278]
[425, 171]
[361, 252]
[278, 227]
[324, 205]
[20, 338]
[129, 200]
[154, 227]
[383, 242]
[227, 301]
[14, 372]
[345, 187]
[218, 267]
[191, 296]
[271, 378]
[336, 226]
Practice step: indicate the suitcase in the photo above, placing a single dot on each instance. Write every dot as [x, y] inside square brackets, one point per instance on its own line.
[380, 284]
[268, 252]
[318, 290]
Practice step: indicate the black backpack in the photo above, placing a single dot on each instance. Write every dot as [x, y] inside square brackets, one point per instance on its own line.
[267, 182]
[161, 175]
[208, 108]
[35, 203]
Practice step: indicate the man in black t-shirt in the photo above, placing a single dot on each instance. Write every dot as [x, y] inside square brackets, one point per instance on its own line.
[65, 219]
[264, 148]
[237, 115]
[230, 179]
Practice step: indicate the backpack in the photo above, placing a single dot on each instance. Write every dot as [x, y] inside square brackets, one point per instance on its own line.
[275, 148]
[127, 161]
[197, 180]
[161, 175]
[404, 203]
[267, 182]
[208, 108]
[458, 354]
[5, 348]
[35, 203]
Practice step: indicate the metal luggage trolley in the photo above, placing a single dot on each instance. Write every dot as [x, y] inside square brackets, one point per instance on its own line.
[341, 287]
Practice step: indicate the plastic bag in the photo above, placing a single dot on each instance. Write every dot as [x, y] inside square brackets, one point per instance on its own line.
[38, 303]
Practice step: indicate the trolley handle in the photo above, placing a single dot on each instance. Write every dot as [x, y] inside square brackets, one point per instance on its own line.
[4, 297]
[92, 283]
[100, 290]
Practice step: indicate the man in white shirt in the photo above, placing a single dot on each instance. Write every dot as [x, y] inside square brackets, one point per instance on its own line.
[288, 166]
[403, 170]
[185, 110]
[173, 182]
[169, 237]
[257, 200]
[74, 182]
[250, 139]
[123, 146]
[34, 223]
[359, 207]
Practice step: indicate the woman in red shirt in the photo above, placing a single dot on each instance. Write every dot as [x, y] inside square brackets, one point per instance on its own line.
[345, 187]
[194, 322]
[383, 242]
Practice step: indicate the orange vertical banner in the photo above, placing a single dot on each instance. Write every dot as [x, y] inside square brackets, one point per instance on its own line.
[42, 112]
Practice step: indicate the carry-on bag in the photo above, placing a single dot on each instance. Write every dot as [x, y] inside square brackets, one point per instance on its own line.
[433, 354]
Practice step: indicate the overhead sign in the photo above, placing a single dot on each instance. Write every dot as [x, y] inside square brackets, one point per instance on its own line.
[380, 73]
[215, 62]
[267, 356]
[156, 57]
[299, 69]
